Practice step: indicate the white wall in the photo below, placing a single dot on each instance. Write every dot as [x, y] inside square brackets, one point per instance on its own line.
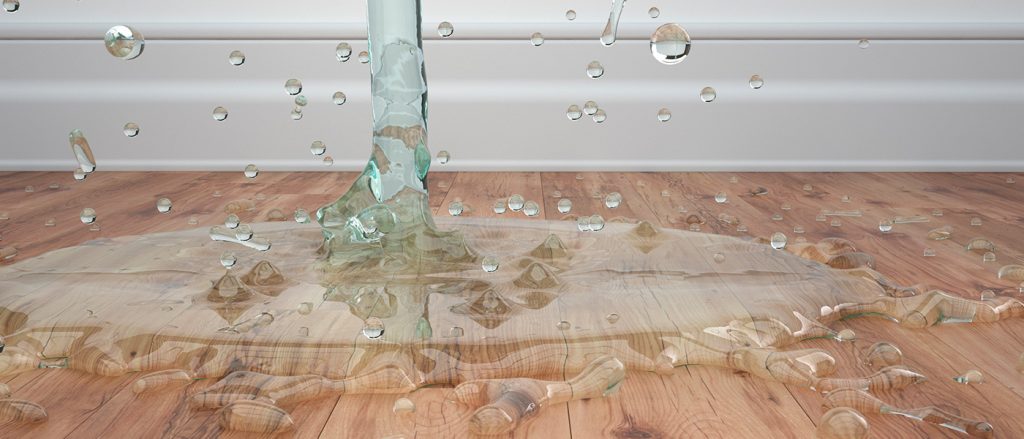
[940, 87]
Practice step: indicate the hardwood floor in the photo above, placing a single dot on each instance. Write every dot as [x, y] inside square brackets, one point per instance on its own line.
[691, 402]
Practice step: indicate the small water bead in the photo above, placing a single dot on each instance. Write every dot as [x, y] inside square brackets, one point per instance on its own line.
[30, 189]
[1011, 180]
[339, 98]
[928, 252]
[8, 253]
[970, 377]
[50, 222]
[563, 325]
[570, 15]
[124, 42]
[885, 226]
[455, 208]
[670, 44]
[243, 232]
[220, 114]
[490, 264]
[988, 257]
[579, 177]
[719, 257]
[364, 57]
[301, 101]
[600, 116]
[163, 205]
[531, 208]
[778, 240]
[12, 5]
[445, 29]
[590, 108]
[976, 222]
[499, 207]
[574, 112]
[193, 220]
[296, 113]
[537, 39]
[721, 197]
[88, 216]
[988, 295]
[664, 115]
[786, 207]
[251, 171]
[228, 259]
[596, 223]
[236, 58]
[836, 222]
[808, 188]
[583, 223]
[708, 94]
[305, 308]
[799, 230]
[373, 328]
[232, 221]
[612, 200]
[318, 147]
[937, 212]
[845, 199]
[756, 82]
[443, 157]
[863, 44]
[343, 52]
[564, 205]
[403, 405]
[742, 228]
[293, 86]
[777, 217]
[842, 423]
[654, 12]
[595, 70]
[516, 202]
[131, 129]
[846, 335]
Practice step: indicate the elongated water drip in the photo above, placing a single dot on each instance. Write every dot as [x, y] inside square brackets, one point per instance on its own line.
[612, 28]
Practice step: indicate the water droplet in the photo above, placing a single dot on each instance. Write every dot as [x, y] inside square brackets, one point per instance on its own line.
[778, 240]
[777, 217]
[808, 188]
[1010, 180]
[339, 98]
[756, 82]
[708, 94]
[537, 39]
[8, 253]
[301, 101]
[583, 223]
[231, 221]
[124, 42]
[612, 27]
[612, 318]
[163, 205]
[842, 423]
[243, 232]
[88, 216]
[928, 252]
[600, 116]
[445, 29]
[595, 69]
[305, 308]
[596, 223]
[490, 264]
[564, 205]
[14, 5]
[612, 200]
[882, 354]
[721, 197]
[654, 12]
[988, 295]
[373, 328]
[664, 115]
[220, 114]
[499, 207]
[742, 228]
[328, 160]
[970, 377]
[670, 44]
[301, 216]
[937, 212]
[976, 221]
[51, 222]
[734, 179]
[404, 405]
[863, 44]
[798, 230]
[570, 15]
[988, 257]
[131, 129]
[82, 151]
[590, 108]
[293, 86]
[364, 57]
[846, 335]
[574, 112]
[251, 171]
[228, 259]
[296, 113]
[79, 174]
[885, 226]
[318, 147]
[455, 208]
[443, 157]
[531, 208]
[516, 202]
[193, 220]
[236, 58]
[836, 223]
[563, 325]
[579, 177]
[343, 52]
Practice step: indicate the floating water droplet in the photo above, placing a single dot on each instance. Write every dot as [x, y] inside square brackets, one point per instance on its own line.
[756, 82]
[490, 264]
[228, 259]
[612, 318]
[928, 252]
[842, 423]
[343, 52]
[863, 44]
[124, 42]
[445, 29]
[721, 197]
[799, 230]
[563, 325]
[778, 240]
[708, 94]
[537, 39]
[404, 405]
[293, 86]
[596, 223]
[131, 129]
[600, 116]
[243, 232]
[531, 208]
[443, 157]
[570, 15]
[885, 226]
[664, 115]
[231, 221]
[364, 57]
[970, 377]
[574, 112]
[251, 171]
[220, 114]
[516, 202]
[301, 101]
[976, 221]
[612, 200]
[595, 69]
[305, 308]
[51, 222]
[988, 257]
[499, 207]
[373, 328]
[670, 44]
[82, 151]
[88, 216]
[654, 12]
[846, 335]
[163, 205]
[12, 5]
[236, 58]
[455, 208]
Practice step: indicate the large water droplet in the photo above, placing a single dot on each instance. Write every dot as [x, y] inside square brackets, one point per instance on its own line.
[563, 325]
[531, 208]
[373, 328]
[564, 205]
[664, 115]
[82, 151]
[499, 207]
[339, 98]
[756, 82]
[12, 5]
[236, 58]
[842, 423]
[293, 86]
[596, 223]
[574, 112]
[124, 42]
[885, 226]
[670, 44]
[88, 216]
[654, 12]
[595, 69]
[721, 197]
[228, 259]
[537, 39]
[490, 264]
[516, 202]
[708, 94]
[251, 171]
[778, 240]
[445, 29]
[343, 52]
[613, 200]
[131, 129]
[220, 113]
[318, 147]
[164, 205]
